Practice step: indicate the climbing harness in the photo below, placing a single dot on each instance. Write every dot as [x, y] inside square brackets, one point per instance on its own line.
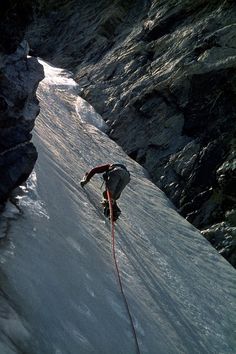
[118, 272]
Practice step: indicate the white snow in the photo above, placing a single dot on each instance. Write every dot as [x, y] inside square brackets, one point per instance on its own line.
[180, 291]
[60, 80]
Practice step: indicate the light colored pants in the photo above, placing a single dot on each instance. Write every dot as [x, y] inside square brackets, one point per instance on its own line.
[118, 178]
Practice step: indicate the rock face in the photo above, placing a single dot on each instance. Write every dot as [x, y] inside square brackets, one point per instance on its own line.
[162, 75]
[19, 78]
[14, 19]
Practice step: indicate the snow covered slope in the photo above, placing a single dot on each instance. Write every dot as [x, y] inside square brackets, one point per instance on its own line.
[61, 272]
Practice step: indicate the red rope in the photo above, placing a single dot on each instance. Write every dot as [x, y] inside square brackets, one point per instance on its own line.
[118, 272]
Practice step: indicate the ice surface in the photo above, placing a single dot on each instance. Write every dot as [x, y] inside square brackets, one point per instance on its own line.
[60, 81]
[180, 291]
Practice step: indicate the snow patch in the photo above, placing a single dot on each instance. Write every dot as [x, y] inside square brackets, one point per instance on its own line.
[57, 77]
[87, 114]
[29, 197]
[61, 80]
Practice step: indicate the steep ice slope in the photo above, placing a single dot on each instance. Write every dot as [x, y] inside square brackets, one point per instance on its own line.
[61, 272]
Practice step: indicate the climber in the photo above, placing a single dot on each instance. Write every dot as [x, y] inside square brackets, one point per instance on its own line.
[116, 177]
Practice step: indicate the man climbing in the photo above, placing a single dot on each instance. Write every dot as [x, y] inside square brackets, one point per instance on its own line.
[116, 177]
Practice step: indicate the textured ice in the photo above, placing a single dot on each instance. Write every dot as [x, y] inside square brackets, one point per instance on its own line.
[180, 291]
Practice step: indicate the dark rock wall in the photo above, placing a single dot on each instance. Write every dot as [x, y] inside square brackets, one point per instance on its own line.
[162, 75]
[15, 15]
[19, 78]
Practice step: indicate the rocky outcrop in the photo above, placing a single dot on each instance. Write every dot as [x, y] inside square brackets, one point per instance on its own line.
[162, 75]
[19, 78]
[222, 235]
[15, 16]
